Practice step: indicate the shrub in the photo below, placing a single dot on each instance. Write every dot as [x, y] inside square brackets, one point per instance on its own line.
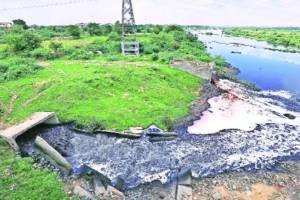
[154, 57]
[3, 68]
[81, 55]
[74, 31]
[23, 41]
[55, 46]
[42, 53]
[17, 68]
[114, 36]
[68, 50]
[171, 28]
[93, 29]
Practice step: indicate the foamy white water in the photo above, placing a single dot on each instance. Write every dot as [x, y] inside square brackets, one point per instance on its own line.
[241, 109]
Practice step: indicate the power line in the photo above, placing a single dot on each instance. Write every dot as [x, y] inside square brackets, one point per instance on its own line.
[54, 4]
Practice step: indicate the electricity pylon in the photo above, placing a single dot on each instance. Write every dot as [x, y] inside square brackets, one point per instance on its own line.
[130, 45]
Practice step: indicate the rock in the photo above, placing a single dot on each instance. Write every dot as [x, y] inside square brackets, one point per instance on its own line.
[82, 193]
[184, 193]
[99, 52]
[136, 130]
[162, 195]
[161, 139]
[115, 194]
[184, 177]
[214, 78]
[217, 196]
[99, 188]
[153, 129]
[124, 134]
[172, 134]
[290, 116]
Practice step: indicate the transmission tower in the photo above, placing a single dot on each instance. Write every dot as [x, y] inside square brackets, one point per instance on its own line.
[130, 45]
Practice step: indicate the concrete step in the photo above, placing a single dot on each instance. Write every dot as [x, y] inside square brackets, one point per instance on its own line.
[10, 134]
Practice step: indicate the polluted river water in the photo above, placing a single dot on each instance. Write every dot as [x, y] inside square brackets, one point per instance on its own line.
[229, 137]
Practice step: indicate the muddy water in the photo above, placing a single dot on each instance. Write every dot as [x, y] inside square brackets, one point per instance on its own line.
[135, 162]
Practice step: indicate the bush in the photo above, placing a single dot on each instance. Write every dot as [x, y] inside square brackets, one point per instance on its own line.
[114, 36]
[23, 41]
[81, 55]
[93, 29]
[55, 46]
[68, 50]
[171, 28]
[74, 31]
[154, 57]
[17, 68]
[41, 53]
[3, 68]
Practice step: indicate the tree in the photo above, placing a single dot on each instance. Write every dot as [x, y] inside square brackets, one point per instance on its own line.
[171, 28]
[93, 29]
[107, 29]
[21, 23]
[117, 27]
[74, 31]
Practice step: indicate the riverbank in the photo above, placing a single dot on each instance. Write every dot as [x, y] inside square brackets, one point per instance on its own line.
[280, 182]
[138, 166]
[277, 37]
[259, 185]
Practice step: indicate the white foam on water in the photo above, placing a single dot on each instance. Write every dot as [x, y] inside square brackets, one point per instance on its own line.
[239, 109]
[280, 93]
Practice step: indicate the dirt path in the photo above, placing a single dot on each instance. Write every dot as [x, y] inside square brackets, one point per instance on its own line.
[202, 70]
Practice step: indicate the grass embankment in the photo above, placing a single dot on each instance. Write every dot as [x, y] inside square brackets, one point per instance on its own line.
[114, 94]
[18, 180]
[277, 37]
[87, 80]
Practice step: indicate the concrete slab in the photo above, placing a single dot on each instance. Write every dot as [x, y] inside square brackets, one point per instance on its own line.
[184, 193]
[10, 134]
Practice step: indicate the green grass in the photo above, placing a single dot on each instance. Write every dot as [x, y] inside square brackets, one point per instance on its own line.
[116, 94]
[82, 42]
[115, 91]
[282, 37]
[19, 181]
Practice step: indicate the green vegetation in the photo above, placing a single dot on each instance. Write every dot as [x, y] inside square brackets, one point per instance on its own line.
[283, 37]
[94, 82]
[18, 180]
[19, 40]
[116, 94]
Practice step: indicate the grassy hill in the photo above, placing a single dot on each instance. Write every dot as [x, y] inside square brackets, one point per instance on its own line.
[87, 80]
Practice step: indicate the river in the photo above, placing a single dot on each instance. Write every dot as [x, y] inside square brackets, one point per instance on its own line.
[268, 69]
[242, 129]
